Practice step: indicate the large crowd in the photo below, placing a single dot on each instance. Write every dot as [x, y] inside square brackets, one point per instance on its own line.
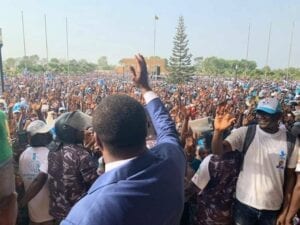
[82, 150]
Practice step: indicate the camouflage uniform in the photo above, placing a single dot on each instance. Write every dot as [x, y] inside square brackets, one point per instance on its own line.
[214, 204]
[71, 173]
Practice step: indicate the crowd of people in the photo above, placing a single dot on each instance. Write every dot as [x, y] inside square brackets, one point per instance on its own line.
[83, 150]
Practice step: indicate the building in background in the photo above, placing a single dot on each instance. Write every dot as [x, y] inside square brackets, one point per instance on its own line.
[156, 65]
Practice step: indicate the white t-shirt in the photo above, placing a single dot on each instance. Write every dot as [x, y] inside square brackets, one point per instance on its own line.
[202, 176]
[260, 182]
[33, 161]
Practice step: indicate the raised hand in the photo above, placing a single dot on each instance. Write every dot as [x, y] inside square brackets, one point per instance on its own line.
[224, 117]
[185, 112]
[36, 106]
[140, 77]
[89, 140]
[248, 118]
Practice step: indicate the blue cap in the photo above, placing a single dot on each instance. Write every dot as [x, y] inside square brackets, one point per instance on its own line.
[269, 105]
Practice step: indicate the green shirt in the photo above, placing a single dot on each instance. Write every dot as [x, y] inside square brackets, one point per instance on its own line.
[5, 148]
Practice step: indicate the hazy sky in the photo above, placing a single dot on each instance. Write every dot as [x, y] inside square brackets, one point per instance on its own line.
[121, 28]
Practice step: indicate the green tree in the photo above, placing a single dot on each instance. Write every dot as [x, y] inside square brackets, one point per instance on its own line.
[10, 66]
[198, 66]
[266, 70]
[180, 61]
[55, 66]
[219, 66]
[210, 65]
[103, 64]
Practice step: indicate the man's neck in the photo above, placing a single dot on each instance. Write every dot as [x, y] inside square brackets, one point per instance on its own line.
[270, 130]
[109, 158]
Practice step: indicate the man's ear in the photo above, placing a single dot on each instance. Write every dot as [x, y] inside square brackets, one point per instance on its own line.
[98, 142]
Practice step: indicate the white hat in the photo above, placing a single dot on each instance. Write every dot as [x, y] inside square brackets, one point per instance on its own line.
[2, 101]
[38, 127]
[296, 114]
[61, 109]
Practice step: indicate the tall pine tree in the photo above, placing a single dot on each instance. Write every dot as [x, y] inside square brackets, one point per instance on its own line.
[180, 61]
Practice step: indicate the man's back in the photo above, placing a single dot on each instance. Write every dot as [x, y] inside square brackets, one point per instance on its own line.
[216, 178]
[71, 172]
[33, 161]
[146, 190]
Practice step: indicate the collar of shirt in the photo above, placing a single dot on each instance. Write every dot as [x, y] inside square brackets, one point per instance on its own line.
[149, 96]
[115, 164]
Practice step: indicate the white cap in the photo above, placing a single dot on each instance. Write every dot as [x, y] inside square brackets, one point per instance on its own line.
[62, 109]
[297, 115]
[38, 127]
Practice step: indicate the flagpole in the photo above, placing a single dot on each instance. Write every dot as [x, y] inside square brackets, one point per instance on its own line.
[248, 41]
[154, 41]
[290, 50]
[46, 39]
[24, 43]
[247, 50]
[67, 42]
[268, 47]
[154, 44]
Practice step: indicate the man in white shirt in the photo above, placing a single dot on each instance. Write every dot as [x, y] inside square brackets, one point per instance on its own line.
[33, 166]
[266, 168]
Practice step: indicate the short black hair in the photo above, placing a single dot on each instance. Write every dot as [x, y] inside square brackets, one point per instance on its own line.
[121, 123]
[40, 140]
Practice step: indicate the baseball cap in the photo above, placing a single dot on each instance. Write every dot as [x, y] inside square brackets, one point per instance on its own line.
[16, 108]
[269, 105]
[38, 127]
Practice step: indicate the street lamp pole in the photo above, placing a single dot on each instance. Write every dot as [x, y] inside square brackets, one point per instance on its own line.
[154, 45]
[1, 67]
[67, 42]
[290, 51]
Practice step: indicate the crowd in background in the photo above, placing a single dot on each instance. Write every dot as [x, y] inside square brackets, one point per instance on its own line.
[31, 98]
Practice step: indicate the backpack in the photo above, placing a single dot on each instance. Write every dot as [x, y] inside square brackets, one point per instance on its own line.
[251, 131]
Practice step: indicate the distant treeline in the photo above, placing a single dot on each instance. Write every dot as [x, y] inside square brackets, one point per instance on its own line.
[203, 66]
[35, 65]
[241, 68]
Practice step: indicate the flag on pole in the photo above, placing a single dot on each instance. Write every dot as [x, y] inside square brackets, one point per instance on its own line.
[156, 17]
